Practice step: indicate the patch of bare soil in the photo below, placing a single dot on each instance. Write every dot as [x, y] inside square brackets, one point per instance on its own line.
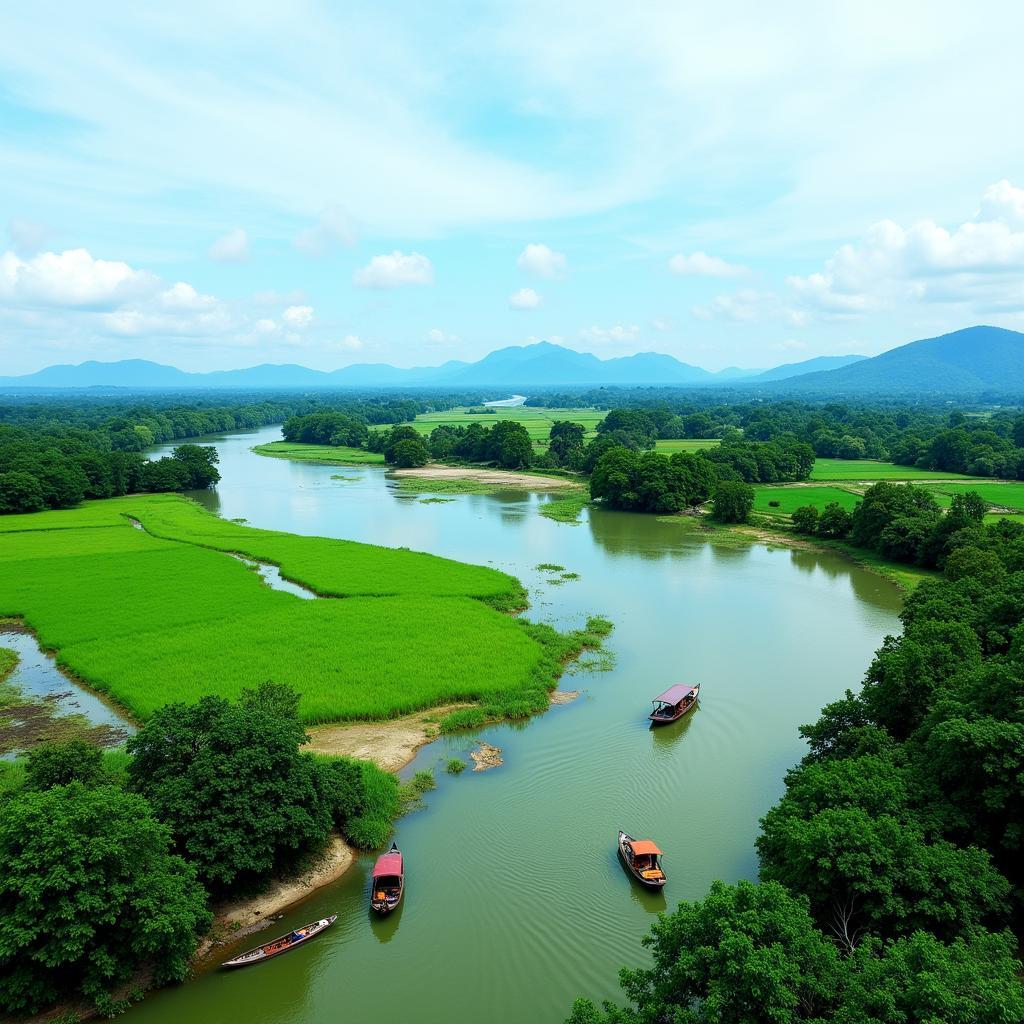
[485, 756]
[563, 696]
[486, 476]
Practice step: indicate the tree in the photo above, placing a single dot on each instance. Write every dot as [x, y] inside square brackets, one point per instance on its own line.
[58, 764]
[744, 953]
[20, 492]
[733, 501]
[834, 521]
[200, 461]
[409, 452]
[516, 451]
[566, 443]
[395, 436]
[89, 892]
[230, 781]
[805, 519]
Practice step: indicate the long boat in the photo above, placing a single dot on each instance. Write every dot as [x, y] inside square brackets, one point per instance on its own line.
[675, 702]
[643, 860]
[282, 943]
[388, 881]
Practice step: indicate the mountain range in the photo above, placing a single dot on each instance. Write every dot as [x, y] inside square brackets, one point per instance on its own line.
[542, 365]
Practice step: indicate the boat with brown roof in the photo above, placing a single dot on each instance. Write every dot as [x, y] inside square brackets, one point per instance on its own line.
[675, 702]
[643, 860]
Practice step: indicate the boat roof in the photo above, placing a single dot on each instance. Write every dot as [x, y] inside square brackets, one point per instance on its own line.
[388, 864]
[642, 846]
[674, 694]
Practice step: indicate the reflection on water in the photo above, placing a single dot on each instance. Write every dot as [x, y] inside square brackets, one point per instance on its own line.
[517, 901]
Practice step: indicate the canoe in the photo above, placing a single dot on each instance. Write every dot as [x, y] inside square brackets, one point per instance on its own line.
[388, 882]
[675, 702]
[282, 943]
[643, 860]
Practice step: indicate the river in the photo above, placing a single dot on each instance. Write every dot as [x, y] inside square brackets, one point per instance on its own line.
[515, 901]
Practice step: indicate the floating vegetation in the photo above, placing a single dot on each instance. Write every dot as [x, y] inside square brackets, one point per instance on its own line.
[566, 509]
[549, 567]
[341, 476]
[447, 485]
[411, 793]
[435, 501]
[455, 766]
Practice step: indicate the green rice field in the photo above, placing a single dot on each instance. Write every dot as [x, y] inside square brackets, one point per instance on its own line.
[536, 421]
[167, 615]
[1004, 494]
[667, 447]
[868, 469]
[791, 498]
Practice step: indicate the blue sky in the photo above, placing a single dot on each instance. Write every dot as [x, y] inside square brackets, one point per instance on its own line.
[222, 184]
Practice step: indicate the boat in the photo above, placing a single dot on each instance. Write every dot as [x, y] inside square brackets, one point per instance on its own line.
[388, 881]
[282, 943]
[675, 702]
[643, 859]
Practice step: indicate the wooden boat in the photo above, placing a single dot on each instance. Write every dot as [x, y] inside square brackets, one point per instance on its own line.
[388, 881]
[643, 859]
[282, 943]
[675, 702]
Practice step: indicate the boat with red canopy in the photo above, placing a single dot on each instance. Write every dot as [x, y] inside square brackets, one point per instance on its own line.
[388, 881]
[675, 702]
[281, 944]
[643, 859]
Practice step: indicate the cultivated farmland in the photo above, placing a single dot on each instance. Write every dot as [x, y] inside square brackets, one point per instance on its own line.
[167, 614]
[791, 498]
[868, 469]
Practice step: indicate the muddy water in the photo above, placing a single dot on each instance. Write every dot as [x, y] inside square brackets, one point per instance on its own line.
[515, 901]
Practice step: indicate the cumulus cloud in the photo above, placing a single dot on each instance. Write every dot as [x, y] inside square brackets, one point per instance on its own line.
[395, 270]
[264, 326]
[740, 307]
[351, 342]
[525, 298]
[662, 324]
[439, 337]
[298, 316]
[72, 278]
[617, 335]
[231, 248]
[540, 261]
[979, 264]
[178, 311]
[333, 228]
[700, 264]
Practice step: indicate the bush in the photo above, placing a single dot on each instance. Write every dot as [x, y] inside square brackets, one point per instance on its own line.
[805, 519]
[455, 766]
[733, 501]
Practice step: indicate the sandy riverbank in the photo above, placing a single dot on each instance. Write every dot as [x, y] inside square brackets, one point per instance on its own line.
[502, 477]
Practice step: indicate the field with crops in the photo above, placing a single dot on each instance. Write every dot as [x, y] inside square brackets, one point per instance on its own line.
[165, 613]
[787, 499]
[867, 469]
[1003, 494]
[536, 421]
[667, 447]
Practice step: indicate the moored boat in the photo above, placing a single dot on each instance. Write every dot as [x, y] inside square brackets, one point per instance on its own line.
[388, 881]
[643, 860]
[675, 702]
[281, 944]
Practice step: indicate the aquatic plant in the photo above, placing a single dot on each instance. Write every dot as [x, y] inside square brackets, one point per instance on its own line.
[455, 766]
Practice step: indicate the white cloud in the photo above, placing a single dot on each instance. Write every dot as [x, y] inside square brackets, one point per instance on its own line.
[28, 236]
[702, 265]
[662, 324]
[232, 247]
[617, 335]
[334, 228]
[71, 278]
[525, 298]
[540, 261]
[979, 264]
[439, 337]
[351, 342]
[298, 316]
[740, 307]
[395, 270]
[265, 326]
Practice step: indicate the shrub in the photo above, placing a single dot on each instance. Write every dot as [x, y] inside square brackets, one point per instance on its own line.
[455, 766]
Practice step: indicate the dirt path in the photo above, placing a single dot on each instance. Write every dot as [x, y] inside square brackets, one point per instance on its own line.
[486, 476]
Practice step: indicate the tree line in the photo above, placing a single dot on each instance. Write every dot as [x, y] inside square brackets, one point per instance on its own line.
[893, 866]
[108, 864]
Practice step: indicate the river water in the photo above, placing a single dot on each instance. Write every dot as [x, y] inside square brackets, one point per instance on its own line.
[515, 901]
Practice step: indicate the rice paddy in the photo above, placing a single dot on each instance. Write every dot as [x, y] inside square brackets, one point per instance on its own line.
[166, 615]
[685, 444]
[868, 469]
[783, 501]
[1002, 494]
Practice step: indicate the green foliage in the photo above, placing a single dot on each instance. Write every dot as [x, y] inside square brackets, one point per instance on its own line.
[59, 764]
[805, 519]
[733, 501]
[89, 892]
[455, 766]
[229, 779]
[407, 453]
[647, 482]
[8, 662]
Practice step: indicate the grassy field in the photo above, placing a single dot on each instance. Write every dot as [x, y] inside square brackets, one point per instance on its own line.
[1006, 494]
[536, 421]
[323, 453]
[165, 615]
[791, 498]
[867, 469]
[685, 445]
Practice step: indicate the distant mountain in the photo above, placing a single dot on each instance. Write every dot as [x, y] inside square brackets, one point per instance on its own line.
[815, 365]
[966, 362]
[541, 365]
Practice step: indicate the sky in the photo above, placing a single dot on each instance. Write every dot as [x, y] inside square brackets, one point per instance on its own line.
[220, 184]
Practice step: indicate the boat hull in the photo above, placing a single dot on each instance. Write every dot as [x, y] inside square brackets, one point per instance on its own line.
[279, 945]
[647, 883]
[680, 711]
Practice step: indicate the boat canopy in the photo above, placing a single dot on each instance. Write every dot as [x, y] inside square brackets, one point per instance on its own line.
[388, 864]
[644, 846]
[674, 694]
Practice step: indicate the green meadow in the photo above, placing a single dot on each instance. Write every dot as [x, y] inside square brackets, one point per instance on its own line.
[323, 453]
[791, 498]
[868, 469]
[536, 421]
[1003, 494]
[167, 615]
[685, 444]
